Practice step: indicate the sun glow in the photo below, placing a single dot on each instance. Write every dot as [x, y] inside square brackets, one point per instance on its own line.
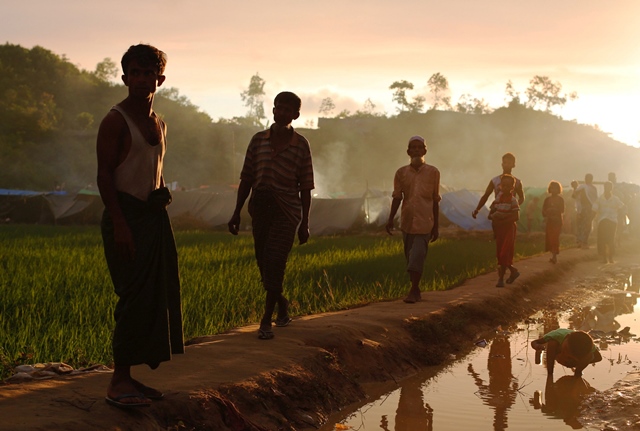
[615, 115]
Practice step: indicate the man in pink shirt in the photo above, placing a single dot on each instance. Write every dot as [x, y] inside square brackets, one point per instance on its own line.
[417, 187]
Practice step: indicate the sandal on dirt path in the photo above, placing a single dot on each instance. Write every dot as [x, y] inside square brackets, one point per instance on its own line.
[151, 393]
[411, 300]
[115, 401]
[513, 277]
[265, 334]
[283, 321]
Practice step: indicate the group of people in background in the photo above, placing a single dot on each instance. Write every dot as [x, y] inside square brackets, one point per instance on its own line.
[277, 178]
[608, 210]
[416, 187]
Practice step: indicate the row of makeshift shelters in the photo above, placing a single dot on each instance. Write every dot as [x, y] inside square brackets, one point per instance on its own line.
[205, 209]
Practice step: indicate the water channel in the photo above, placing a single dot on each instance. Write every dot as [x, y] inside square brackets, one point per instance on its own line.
[499, 386]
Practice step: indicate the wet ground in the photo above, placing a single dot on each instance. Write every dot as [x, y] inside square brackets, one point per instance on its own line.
[499, 386]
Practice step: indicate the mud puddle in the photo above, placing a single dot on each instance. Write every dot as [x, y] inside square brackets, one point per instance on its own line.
[498, 386]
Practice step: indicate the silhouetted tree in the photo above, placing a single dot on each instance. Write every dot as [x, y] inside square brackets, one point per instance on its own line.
[326, 106]
[345, 113]
[546, 93]
[173, 94]
[369, 106]
[439, 88]
[472, 105]
[106, 70]
[512, 96]
[400, 97]
[253, 98]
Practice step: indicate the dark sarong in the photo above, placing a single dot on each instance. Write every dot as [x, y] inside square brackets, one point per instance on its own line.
[273, 236]
[505, 234]
[148, 314]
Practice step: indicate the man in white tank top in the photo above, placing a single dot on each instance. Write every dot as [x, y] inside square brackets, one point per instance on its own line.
[137, 235]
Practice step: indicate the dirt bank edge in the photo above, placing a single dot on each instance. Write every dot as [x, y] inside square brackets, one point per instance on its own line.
[320, 365]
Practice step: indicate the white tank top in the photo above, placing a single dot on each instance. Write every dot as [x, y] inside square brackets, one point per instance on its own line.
[140, 172]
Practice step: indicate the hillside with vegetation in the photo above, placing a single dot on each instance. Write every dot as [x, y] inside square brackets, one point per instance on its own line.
[50, 111]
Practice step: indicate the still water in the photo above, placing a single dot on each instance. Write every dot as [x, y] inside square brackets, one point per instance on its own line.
[498, 386]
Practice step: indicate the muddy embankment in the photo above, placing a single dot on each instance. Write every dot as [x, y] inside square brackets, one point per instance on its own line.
[311, 369]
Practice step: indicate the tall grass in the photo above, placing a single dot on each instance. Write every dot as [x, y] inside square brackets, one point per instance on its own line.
[57, 301]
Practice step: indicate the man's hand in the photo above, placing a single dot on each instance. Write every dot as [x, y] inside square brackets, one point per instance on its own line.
[303, 233]
[234, 224]
[474, 213]
[125, 247]
[434, 234]
[389, 227]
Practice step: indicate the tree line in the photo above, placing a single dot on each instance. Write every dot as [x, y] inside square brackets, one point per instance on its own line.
[542, 94]
[50, 110]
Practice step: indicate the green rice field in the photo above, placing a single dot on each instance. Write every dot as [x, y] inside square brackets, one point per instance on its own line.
[57, 300]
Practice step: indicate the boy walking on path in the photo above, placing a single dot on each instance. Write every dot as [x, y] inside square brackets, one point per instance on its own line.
[417, 187]
[508, 163]
[138, 239]
[278, 173]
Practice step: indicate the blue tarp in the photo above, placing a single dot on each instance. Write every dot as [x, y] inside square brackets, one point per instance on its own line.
[28, 193]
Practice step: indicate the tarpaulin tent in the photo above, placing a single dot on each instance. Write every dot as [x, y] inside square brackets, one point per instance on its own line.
[332, 216]
[84, 207]
[457, 207]
[25, 206]
[210, 209]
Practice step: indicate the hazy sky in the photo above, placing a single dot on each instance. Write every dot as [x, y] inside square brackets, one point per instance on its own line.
[352, 50]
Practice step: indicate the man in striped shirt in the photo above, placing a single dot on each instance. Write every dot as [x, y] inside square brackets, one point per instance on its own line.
[278, 173]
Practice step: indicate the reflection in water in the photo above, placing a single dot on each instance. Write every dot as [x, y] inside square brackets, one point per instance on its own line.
[508, 390]
[562, 399]
[601, 322]
[500, 393]
[413, 413]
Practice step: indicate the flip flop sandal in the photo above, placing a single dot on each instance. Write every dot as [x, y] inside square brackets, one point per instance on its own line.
[115, 401]
[151, 393]
[284, 321]
[513, 277]
[265, 334]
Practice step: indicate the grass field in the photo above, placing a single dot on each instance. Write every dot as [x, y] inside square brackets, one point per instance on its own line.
[57, 301]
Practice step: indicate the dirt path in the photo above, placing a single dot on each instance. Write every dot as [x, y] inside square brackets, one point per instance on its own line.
[314, 367]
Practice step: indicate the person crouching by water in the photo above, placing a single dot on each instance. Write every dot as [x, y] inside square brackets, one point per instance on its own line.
[572, 349]
[504, 212]
[417, 187]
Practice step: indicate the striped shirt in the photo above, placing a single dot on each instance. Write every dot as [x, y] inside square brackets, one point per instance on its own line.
[284, 173]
